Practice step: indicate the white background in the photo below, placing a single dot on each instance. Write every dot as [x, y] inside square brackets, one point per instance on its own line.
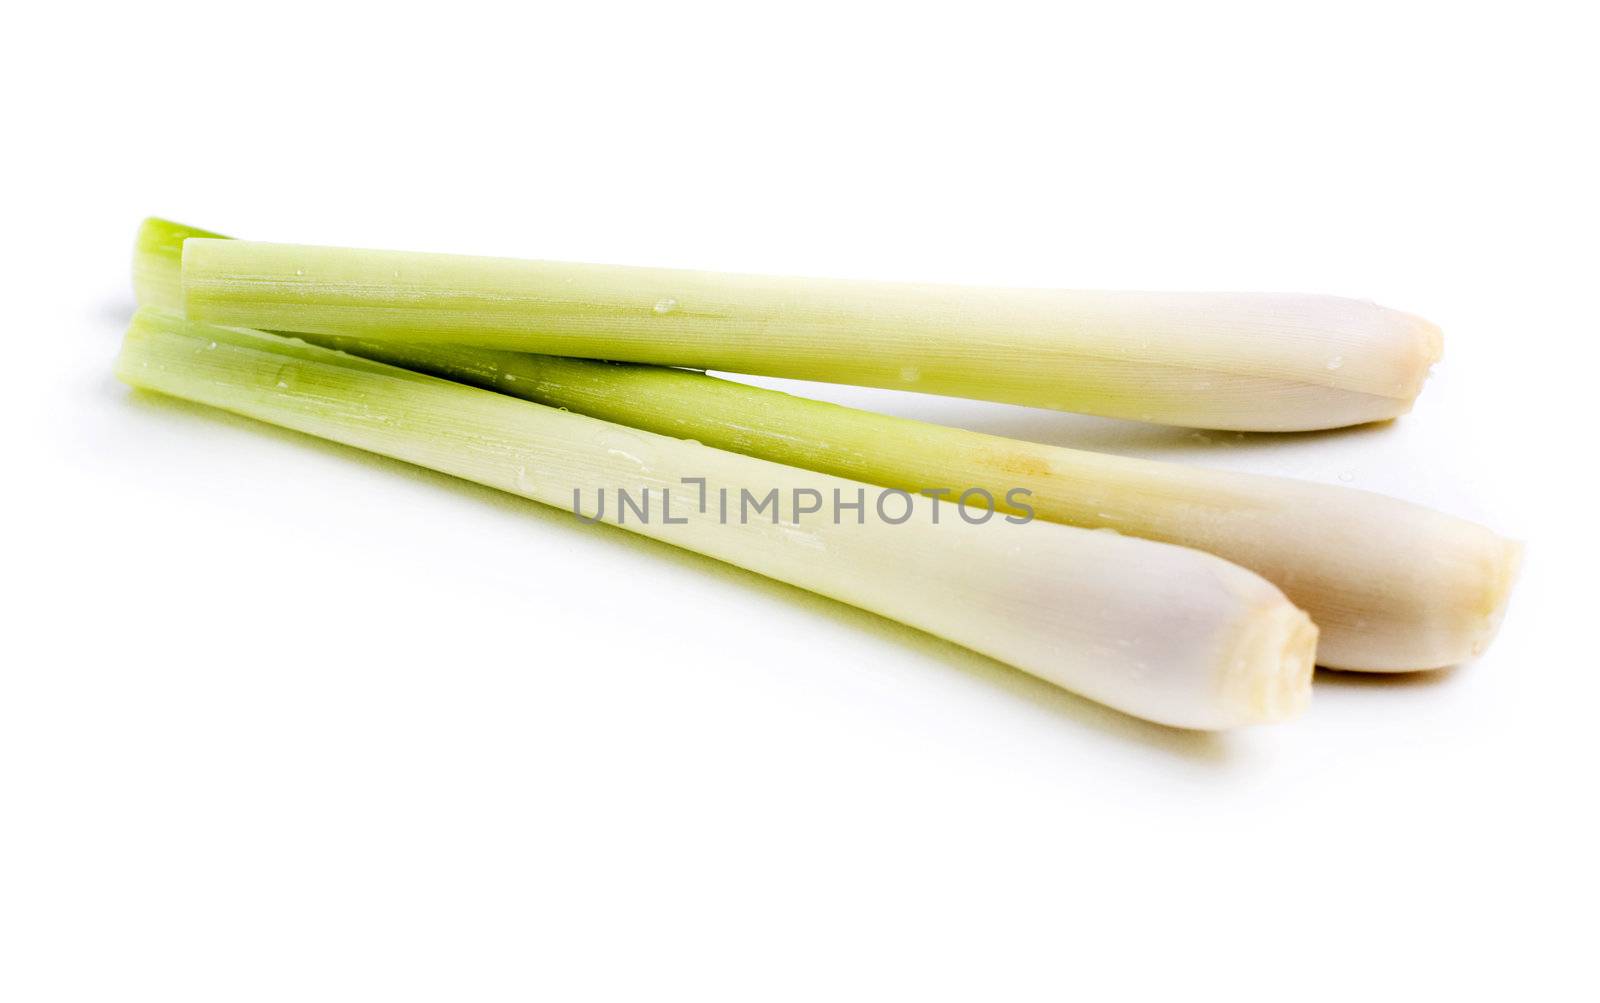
[282, 721]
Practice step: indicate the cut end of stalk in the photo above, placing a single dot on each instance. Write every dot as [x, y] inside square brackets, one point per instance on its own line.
[1412, 346]
[1429, 342]
[1504, 564]
[1434, 339]
[157, 258]
[1269, 677]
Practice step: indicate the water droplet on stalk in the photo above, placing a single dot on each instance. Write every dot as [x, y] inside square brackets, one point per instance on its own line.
[665, 306]
[626, 445]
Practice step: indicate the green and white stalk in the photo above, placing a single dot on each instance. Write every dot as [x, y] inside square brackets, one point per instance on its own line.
[1162, 632]
[1246, 361]
[1392, 586]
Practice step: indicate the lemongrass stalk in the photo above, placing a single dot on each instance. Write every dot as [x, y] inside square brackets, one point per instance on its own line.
[1392, 586]
[1264, 362]
[1162, 632]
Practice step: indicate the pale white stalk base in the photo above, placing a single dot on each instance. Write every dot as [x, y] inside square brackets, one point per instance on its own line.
[1162, 632]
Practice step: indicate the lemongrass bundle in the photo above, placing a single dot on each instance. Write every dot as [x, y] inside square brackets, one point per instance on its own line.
[1393, 586]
